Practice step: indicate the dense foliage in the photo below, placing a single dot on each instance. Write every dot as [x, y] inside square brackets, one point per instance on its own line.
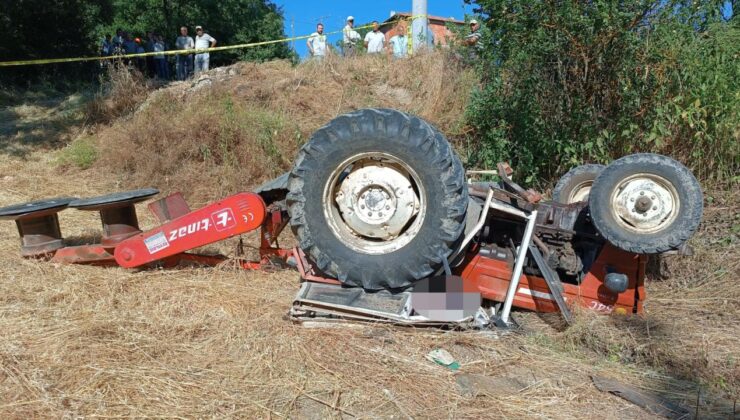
[72, 28]
[573, 82]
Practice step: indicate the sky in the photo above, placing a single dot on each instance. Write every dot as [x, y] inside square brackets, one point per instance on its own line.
[305, 14]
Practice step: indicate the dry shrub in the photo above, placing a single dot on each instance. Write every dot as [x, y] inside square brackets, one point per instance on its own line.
[122, 90]
[244, 124]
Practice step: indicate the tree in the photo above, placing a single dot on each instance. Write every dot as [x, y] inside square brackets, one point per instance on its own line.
[573, 82]
[35, 29]
[229, 21]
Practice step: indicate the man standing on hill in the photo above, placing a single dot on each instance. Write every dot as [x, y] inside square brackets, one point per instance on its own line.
[375, 40]
[349, 37]
[399, 44]
[317, 42]
[184, 61]
[160, 60]
[474, 39]
[202, 41]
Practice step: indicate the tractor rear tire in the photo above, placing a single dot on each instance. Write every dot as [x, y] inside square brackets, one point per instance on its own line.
[576, 184]
[646, 203]
[377, 198]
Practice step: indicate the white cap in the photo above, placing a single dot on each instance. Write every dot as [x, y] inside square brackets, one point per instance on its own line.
[352, 18]
[473, 22]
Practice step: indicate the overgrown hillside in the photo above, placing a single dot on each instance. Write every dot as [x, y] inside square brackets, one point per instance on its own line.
[243, 124]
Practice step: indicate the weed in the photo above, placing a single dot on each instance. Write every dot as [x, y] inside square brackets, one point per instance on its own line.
[81, 153]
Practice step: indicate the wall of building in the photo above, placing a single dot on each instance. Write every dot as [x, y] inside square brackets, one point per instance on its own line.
[442, 35]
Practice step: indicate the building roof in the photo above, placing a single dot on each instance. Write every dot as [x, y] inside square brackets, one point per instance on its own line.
[430, 17]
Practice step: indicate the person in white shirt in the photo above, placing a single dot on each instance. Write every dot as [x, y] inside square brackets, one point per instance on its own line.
[317, 42]
[202, 40]
[375, 40]
[399, 44]
[349, 37]
[184, 61]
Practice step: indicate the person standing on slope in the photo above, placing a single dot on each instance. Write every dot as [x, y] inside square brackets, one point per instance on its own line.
[349, 38]
[184, 64]
[317, 42]
[202, 41]
[375, 40]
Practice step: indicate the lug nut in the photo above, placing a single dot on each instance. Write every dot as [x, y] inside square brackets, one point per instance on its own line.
[387, 207]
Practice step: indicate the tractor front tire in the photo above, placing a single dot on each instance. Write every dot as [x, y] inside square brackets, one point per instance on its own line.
[377, 198]
[646, 203]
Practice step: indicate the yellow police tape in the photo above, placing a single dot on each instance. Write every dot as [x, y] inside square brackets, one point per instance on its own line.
[179, 52]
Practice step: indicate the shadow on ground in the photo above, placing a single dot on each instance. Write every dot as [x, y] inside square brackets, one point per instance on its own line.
[34, 121]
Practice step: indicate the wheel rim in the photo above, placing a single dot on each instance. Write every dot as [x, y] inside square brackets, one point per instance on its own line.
[645, 203]
[580, 192]
[374, 203]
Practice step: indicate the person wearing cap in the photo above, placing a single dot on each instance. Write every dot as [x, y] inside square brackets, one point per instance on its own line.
[375, 40]
[202, 41]
[349, 37]
[474, 39]
[317, 42]
[184, 64]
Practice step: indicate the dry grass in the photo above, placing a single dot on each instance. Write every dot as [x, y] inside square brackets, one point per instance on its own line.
[97, 342]
[233, 131]
[121, 92]
[690, 329]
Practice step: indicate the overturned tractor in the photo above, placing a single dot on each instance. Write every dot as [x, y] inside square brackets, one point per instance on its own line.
[385, 217]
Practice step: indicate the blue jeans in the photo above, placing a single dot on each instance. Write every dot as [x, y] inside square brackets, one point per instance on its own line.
[184, 66]
[163, 70]
[201, 62]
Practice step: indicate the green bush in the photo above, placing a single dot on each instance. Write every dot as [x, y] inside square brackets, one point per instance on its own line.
[81, 153]
[573, 82]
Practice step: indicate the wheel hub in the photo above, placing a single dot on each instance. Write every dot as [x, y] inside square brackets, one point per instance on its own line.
[645, 203]
[377, 201]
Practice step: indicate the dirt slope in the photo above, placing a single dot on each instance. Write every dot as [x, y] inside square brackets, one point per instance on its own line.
[242, 125]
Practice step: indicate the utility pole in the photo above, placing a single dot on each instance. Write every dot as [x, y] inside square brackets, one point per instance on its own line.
[419, 25]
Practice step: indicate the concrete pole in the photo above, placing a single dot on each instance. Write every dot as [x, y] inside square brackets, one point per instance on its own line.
[419, 26]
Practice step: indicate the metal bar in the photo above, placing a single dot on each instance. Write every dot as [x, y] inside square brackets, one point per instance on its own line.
[553, 282]
[517, 273]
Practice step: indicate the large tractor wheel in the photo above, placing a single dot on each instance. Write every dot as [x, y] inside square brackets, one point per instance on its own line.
[646, 203]
[377, 198]
[576, 184]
